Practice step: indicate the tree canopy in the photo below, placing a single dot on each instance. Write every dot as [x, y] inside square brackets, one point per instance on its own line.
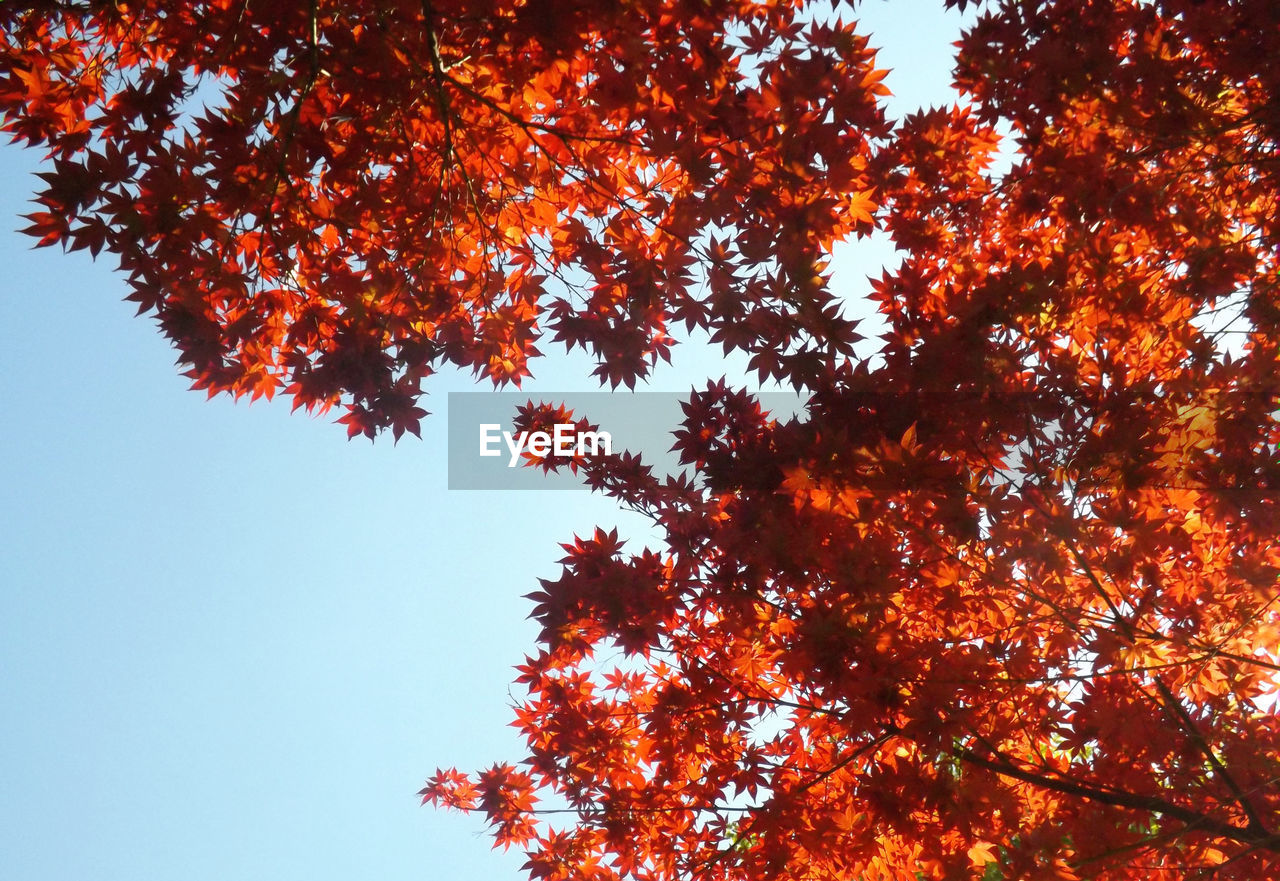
[1001, 604]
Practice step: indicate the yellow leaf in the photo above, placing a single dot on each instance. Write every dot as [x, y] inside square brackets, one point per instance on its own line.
[981, 853]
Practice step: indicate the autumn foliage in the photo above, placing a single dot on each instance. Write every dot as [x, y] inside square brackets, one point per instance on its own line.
[1002, 604]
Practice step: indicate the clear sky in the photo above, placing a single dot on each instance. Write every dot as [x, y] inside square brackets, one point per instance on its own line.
[233, 644]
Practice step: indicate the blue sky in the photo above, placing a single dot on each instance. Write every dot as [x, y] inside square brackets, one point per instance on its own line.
[232, 643]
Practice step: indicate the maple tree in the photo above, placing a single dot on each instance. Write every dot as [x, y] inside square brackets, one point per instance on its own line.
[1002, 604]
[354, 193]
